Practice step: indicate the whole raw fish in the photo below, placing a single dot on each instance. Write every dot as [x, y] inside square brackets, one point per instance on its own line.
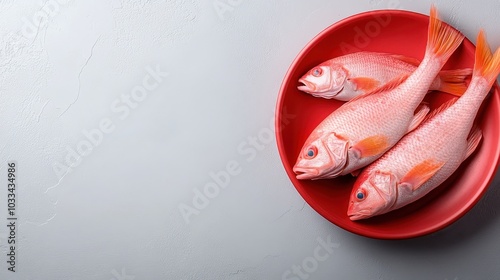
[360, 131]
[426, 157]
[346, 77]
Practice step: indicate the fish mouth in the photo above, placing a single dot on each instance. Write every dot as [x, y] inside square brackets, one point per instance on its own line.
[305, 173]
[306, 86]
[311, 88]
[359, 215]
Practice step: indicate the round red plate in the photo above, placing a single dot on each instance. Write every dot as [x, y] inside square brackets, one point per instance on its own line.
[297, 114]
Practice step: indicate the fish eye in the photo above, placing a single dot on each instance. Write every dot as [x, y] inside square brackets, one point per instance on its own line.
[317, 72]
[311, 152]
[360, 195]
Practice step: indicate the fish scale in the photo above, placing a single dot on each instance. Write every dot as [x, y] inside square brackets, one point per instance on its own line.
[427, 156]
[360, 131]
[348, 76]
[361, 63]
[366, 119]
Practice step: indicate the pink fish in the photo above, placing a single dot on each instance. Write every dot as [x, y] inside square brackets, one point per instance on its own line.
[346, 77]
[426, 157]
[360, 131]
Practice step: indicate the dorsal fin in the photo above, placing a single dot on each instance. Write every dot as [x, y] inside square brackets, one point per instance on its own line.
[473, 140]
[386, 87]
[407, 59]
[419, 116]
[440, 109]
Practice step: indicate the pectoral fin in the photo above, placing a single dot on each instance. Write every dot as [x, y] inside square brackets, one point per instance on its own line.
[371, 146]
[383, 88]
[364, 83]
[421, 173]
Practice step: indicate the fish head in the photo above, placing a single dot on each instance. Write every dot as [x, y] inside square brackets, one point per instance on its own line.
[325, 80]
[322, 157]
[373, 194]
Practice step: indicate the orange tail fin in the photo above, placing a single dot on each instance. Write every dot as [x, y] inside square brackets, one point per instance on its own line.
[453, 81]
[442, 39]
[486, 65]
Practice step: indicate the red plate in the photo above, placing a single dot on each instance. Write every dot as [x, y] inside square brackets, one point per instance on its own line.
[399, 32]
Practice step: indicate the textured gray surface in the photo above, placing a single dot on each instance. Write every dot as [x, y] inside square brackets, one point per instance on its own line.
[93, 66]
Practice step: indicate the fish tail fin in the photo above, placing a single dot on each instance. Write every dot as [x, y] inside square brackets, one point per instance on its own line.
[487, 65]
[453, 81]
[442, 39]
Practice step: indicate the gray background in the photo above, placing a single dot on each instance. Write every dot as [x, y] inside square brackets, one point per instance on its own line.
[114, 212]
